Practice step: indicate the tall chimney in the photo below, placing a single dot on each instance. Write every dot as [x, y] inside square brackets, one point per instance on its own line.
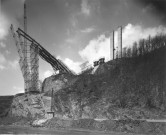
[112, 46]
[120, 42]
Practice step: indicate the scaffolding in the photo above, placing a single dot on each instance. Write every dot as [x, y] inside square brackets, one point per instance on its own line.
[34, 61]
[29, 53]
[29, 61]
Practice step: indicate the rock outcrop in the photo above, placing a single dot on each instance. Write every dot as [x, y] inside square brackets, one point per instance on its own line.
[57, 82]
[27, 105]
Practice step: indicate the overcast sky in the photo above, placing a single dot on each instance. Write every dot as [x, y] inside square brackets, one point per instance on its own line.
[73, 30]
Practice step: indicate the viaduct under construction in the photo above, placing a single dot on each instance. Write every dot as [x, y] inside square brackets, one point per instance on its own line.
[29, 51]
[29, 59]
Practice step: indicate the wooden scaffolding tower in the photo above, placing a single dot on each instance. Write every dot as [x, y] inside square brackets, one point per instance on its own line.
[29, 59]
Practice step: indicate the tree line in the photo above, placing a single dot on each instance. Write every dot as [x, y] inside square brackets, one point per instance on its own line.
[144, 46]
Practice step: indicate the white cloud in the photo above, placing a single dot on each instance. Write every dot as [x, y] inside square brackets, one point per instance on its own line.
[88, 30]
[74, 66]
[74, 20]
[71, 40]
[2, 67]
[47, 74]
[18, 89]
[7, 52]
[100, 47]
[4, 25]
[14, 64]
[95, 49]
[4, 63]
[9, 13]
[85, 7]
[133, 33]
[2, 45]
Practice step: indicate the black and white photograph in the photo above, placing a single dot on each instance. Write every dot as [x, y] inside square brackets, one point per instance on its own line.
[83, 67]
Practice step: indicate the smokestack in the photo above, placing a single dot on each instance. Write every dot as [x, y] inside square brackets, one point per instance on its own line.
[120, 42]
[112, 46]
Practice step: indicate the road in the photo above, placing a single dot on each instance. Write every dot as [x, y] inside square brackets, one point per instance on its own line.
[30, 130]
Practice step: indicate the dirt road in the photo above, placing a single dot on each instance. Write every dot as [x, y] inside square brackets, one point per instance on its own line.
[30, 130]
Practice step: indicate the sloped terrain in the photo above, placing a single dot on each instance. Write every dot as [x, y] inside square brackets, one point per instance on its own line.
[124, 88]
[116, 96]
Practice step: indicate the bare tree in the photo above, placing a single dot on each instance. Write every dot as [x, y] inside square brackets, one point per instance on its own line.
[128, 54]
[134, 49]
[124, 52]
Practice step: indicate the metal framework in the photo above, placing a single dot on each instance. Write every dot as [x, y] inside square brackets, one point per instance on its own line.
[29, 59]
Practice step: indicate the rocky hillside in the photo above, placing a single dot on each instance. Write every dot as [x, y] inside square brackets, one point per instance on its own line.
[57, 82]
[122, 88]
[28, 105]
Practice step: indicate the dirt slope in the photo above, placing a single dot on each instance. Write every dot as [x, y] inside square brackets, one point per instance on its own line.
[119, 89]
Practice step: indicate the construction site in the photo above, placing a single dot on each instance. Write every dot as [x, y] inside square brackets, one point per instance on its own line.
[29, 51]
[123, 95]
